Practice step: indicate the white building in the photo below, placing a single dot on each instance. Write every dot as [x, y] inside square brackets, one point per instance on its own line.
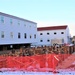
[53, 35]
[16, 32]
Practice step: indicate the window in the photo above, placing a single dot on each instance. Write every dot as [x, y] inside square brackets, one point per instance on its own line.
[34, 26]
[48, 40]
[2, 34]
[34, 35]
[30, 36]
[62, 40]
[11, 34]
[55, 33]
[19, 36]
[25, 35]
[30, 26]
[41, 40]
[47, 33]
[11, 21]
[18, 22]
[2, 19]
[62, 32]
[25, 25]
[41, 33]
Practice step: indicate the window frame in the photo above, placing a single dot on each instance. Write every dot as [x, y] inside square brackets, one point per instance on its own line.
[11, 21]
[30, 36]
[19, 35]
[48, 40]
[11, 34]
[41, 40]
[35, 36]
[55, 33]
[25, 35]
[41, 33]
[48, 33]
[2, 34]
[2, 19]
[62, 32]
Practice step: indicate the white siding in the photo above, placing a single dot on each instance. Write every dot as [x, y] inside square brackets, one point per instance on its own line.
[27, 27]
[52, 36]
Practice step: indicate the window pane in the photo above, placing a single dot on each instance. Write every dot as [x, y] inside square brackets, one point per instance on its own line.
[2, 19]
[2, 34]
[41, 33]
[47, 33]
[11, 21]
[62, 40]
[25, 25]
[18, 22]
[11, 34]
[48, 40]
[34, 35]
[19, 36]
[55, 33]
[30, 36]
[41, 40]
[62, 32]
[25, 36]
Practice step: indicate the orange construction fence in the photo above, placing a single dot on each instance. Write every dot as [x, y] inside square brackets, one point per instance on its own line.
[33, 62]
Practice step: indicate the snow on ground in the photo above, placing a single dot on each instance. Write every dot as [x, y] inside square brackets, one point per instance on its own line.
[8, 71]
[36, 73]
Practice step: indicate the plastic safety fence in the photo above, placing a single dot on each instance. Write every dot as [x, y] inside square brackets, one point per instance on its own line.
[45, 62]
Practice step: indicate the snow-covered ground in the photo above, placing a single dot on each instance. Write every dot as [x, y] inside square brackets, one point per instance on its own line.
[36, 73]
[8, 71]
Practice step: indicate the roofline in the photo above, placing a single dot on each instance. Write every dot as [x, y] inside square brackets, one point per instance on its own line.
[52, 26]
[15, 17]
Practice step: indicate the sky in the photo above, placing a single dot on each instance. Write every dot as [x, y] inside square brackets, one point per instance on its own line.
[43, 12]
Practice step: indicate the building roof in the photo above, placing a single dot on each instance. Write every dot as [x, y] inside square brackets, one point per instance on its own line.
[15, 17]
[52, 28]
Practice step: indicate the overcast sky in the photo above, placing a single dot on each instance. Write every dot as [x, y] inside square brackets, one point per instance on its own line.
[44, 12]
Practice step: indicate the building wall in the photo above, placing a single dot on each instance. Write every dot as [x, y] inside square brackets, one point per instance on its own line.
[11, 24]
[68, 35]
[16, 25]
[52, 36]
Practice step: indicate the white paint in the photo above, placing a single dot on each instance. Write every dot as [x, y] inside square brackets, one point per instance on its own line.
[51, 36]
[28, 27]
